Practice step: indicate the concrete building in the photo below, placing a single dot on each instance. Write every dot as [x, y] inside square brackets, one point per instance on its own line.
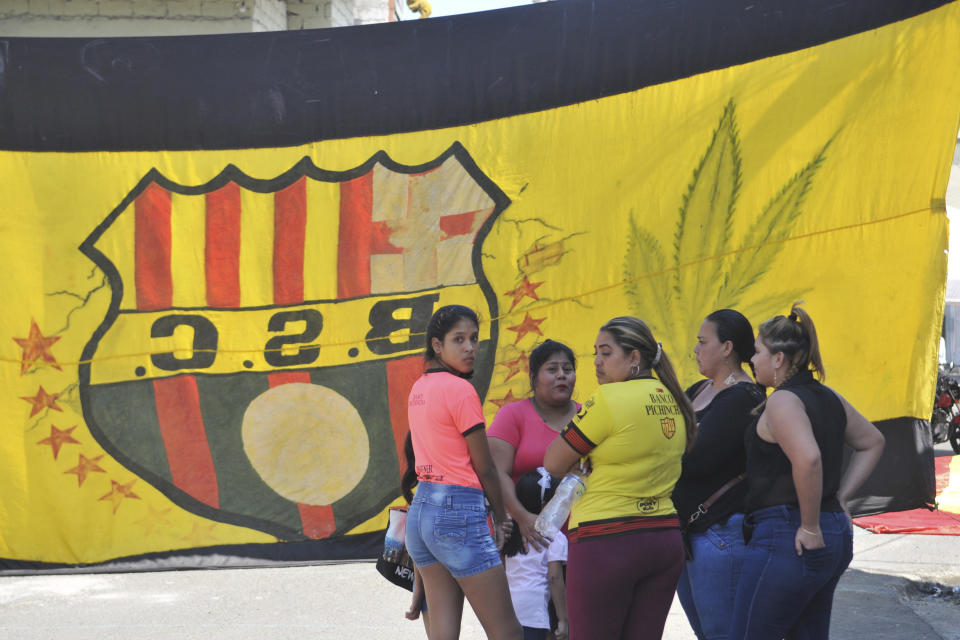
[951, 312]
[112, 18]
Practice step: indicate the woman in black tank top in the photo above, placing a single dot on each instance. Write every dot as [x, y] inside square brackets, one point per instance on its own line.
[800, 538]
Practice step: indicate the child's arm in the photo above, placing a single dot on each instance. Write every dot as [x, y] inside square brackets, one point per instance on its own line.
[558, 592]
[416, 604]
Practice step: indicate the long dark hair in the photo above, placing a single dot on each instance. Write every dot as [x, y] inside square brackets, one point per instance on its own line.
[795, 336]
[633, 334]
[409, 479]
[532, 496]
[734, 327]
[442, 321]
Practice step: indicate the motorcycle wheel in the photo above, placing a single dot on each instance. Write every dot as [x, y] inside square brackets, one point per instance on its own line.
[940, 426]
[954, 437]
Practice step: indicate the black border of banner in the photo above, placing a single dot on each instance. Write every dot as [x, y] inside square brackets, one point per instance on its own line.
[293, 87]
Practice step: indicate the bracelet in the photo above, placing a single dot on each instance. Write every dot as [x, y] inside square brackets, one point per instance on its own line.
[813, 533]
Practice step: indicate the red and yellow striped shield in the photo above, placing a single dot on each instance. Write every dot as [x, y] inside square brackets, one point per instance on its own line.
[272, 330]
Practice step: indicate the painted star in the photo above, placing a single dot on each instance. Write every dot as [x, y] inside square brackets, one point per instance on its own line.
[517, 365]
[507, 399]
[41, 401]
[58, 438]
[153, 519]
[524, 289]
[36, 347]
[84, 466]
[118, 492]
[529, 325]
[200, 534]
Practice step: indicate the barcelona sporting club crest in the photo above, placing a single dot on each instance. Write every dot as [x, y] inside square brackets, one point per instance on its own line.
[668, 426]
[263, 335]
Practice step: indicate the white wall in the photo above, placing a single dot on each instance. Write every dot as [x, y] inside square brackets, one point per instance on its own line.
[111, 18]
[953, 214]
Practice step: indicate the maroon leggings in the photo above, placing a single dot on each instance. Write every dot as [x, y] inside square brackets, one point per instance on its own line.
[622, 586]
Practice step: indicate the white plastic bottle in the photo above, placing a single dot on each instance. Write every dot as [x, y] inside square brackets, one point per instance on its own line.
[556, 512]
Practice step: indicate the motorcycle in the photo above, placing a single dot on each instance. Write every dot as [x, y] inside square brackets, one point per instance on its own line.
[945, 423]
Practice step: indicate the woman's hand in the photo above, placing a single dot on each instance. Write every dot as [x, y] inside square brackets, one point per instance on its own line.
[501, 531]
[562, 632]
[528, 532]
[414, 611]
[416, 602]
[846, 511]
[808, 539]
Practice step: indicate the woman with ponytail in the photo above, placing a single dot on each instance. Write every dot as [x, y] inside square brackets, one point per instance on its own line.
[626, 552]
[447, 534]
[799, 537]
[709, 495]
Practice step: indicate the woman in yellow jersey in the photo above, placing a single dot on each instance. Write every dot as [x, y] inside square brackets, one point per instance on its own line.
[626, 552]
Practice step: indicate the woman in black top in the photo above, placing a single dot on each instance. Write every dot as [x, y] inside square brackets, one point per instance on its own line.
[709, 494]
[800, 538]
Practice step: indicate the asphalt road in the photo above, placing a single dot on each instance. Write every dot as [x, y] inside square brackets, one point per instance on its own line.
[875, 600]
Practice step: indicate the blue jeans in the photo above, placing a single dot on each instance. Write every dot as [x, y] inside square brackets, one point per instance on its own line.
[781, 594]
[709, 581]
[447, 523]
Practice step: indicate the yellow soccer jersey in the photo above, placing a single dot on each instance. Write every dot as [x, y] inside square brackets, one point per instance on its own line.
[635, 435]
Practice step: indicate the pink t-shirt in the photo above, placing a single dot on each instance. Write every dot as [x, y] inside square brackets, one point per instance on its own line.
[442, 409]
[519, 424]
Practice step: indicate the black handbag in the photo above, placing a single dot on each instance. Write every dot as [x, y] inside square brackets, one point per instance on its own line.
[395, 563]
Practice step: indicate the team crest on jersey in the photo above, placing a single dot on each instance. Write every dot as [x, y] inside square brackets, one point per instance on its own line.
[648, 505]
[668, 426]
[263, 334]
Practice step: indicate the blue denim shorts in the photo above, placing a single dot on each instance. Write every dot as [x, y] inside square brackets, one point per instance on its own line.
[448, 524]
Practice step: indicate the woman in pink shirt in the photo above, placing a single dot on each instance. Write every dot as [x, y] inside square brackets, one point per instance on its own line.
[522, 430]
[447, 534]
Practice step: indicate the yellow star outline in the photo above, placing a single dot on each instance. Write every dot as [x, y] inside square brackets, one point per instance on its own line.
[200, 534]
[36, 347]
[118, 492]
[58, 438]
[41, 401]
[85, 466]
[153, 519]
[529, 325]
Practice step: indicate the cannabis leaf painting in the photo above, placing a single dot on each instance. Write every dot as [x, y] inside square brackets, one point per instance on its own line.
[710, 267]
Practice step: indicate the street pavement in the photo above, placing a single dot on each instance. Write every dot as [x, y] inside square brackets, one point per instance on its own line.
[876, 599]
[352, 601]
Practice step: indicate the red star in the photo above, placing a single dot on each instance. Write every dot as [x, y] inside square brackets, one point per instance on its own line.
[526, 288]
[41, 401]
[58, 438]
[118, 492]
[529, 325]
[507, 399]
[521, 363]
[84, 466]
[36, 347]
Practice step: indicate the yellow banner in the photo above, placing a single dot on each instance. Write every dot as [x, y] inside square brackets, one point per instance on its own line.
[817, 175]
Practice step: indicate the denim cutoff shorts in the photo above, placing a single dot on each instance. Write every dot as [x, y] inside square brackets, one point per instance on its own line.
[447, 523]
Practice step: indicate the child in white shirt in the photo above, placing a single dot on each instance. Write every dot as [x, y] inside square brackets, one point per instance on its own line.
[536, 577]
